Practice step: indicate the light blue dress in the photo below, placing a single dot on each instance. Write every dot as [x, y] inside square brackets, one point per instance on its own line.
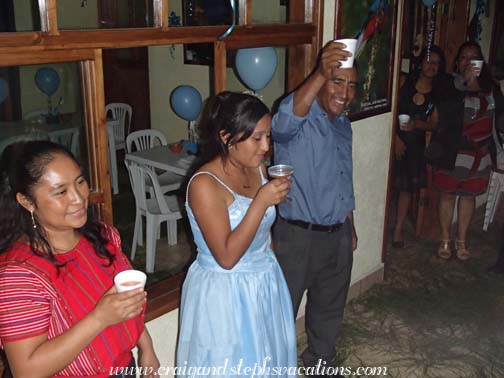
[240, 318]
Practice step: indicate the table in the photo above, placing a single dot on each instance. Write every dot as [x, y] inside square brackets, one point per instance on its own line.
[163, 158]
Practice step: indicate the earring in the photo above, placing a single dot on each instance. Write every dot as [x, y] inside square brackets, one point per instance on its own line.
[33, 220]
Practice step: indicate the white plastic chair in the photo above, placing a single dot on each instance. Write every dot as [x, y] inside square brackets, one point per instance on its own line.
[145, 139]
[68, 138]
[158, 209]
[114, 180]
[122, 113]
[495, 188]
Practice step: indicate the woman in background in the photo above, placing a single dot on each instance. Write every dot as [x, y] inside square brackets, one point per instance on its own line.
[236, 308]
[417, 98]
[60, 314]
[464, 168]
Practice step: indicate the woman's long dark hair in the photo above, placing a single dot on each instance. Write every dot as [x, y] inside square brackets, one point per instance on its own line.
[485, 78]
[21, 167]
[427, 52]
[234, 114]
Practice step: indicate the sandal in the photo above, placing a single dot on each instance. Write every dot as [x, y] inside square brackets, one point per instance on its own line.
[463, 253]
[444, 250]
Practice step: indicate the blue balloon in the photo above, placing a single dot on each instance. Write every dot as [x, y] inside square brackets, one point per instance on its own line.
[256, 66]
[186, 102]
[4, 90]
[428, 3]
[47, 80]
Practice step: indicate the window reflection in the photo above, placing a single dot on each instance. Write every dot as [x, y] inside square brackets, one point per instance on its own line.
[19, 15]
[95, 14]
[42, 102]
[162, 72]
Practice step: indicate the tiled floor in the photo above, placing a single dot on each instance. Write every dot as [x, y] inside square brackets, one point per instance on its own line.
[430, 318]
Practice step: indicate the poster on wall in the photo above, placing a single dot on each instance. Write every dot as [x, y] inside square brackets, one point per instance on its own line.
[372, 23]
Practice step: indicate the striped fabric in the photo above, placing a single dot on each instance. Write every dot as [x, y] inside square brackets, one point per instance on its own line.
[36, 300]
[473, 163]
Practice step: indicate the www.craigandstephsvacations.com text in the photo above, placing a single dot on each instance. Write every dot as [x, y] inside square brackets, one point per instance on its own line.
[257, 370]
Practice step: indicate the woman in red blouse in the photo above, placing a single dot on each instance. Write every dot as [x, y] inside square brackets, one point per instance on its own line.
[60, 315]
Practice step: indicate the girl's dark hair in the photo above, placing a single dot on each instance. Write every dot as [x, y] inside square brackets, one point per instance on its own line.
[485, 77]
[235, 114]
[21, 167]
[427, 52]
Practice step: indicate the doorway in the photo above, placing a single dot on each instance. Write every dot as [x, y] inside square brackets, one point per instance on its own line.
[126, 71]
[444, 25]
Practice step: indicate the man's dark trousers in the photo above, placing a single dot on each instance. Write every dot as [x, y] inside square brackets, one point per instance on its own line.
[320, 262]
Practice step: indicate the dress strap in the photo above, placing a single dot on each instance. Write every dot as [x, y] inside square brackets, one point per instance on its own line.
[211, 174]
[263, 179]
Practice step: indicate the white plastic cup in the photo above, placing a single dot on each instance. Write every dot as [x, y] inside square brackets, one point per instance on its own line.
[280, 170]
[351, 44]
[478, 64]
[403, 121]
[129, 280]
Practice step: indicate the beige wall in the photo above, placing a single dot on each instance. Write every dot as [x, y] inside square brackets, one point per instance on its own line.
[166, 73]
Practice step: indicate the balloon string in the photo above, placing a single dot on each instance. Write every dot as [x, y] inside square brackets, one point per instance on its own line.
[231, 27]
[432, 27]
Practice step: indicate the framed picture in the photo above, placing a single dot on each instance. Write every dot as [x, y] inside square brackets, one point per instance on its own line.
[204, 13]
[373, 24]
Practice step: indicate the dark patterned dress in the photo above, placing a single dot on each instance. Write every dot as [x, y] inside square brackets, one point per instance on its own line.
[473, 163]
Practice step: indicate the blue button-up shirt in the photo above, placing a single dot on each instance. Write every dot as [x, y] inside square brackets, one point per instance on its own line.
[320, 151]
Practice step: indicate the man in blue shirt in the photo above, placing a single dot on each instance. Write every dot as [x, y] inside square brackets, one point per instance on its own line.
[314, 237]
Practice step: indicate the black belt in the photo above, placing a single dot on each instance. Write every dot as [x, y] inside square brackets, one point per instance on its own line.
[315, 227]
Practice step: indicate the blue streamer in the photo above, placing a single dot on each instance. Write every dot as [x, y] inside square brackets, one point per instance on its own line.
[230, 29]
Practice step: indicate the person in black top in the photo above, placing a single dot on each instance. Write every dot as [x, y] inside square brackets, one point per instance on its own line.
[417, 98]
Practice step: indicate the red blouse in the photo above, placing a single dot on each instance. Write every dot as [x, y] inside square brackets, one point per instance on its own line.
[36, 299]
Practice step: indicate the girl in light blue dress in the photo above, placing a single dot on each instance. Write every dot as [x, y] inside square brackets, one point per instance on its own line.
[236, 313]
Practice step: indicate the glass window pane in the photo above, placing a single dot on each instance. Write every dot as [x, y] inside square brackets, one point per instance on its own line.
[19, 16]
[205, 12]
[43, 102]
[146, 85]
[269, 12]
[273, 90]
[107, 14]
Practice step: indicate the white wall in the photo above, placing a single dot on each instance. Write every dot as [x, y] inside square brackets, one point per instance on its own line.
[371, 150]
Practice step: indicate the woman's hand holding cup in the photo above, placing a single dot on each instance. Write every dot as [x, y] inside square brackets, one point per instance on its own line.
[406, 123]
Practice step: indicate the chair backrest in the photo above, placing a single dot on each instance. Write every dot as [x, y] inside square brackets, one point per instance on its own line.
[68, 138]
[35, 114]
[122, 113]
[36, 135]
[145, 139]
[137, 174]
[137, 182]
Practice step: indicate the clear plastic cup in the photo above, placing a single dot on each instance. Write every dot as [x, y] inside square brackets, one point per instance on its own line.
[280, 170]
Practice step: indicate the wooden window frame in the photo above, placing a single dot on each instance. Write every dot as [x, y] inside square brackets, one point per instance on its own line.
[302, 36]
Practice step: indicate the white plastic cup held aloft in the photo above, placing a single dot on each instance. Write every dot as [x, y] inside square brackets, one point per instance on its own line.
[478, 64]
[351, 44]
